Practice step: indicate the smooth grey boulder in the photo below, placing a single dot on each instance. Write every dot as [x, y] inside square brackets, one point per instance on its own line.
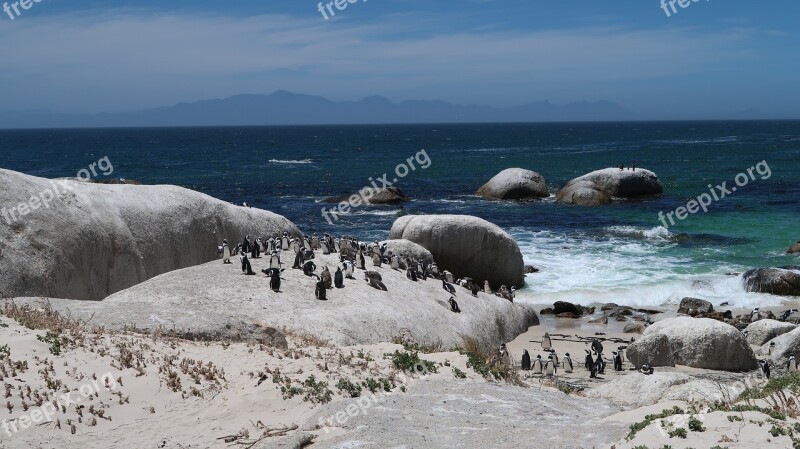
[783, 281]
[634, 328]
[215, 301]
[794, 249]
[467, 246]
[371, 195]
[515, 184]
[92, 240]
[693, 306]
[408, 249]
[695, 342]
[601, 186]
[786, 345]
[763, 331]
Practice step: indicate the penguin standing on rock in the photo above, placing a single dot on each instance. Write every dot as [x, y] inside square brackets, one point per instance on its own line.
[338, 278]
[320, 290]
[226, 252]
[792, 365]
[487, 288]
[454, 305]
[411, 274]
[348, 269]
[764, 365]
[526, 360]
[646, 369]
[448, 287]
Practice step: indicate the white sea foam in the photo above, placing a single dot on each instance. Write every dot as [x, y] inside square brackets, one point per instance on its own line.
[628, 266]
[281, 161]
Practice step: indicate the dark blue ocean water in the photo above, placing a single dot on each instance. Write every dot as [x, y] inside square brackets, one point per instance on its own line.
[619, 252]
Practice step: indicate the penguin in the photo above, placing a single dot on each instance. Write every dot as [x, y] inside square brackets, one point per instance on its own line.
[226, 252]
[547, 344]
[307, 243]
[785, 315]
[314, 241]
[338, 278]
[360, 261]
[771, 348]
[348, 269]
[792, 365]
[554, 356]
[617, 361]
[454, 305]
[411, 274]
[475, 289]
[597, 346]
[487, 288]
[298, 261]
[550, 367]
[246, 244]
[376, 259]
[275, 280]
[448, 288]
[309, 267]
[566, 363]
[646, 369]
[320, 291]
[764, 368]
[327, 278]
[600, 363]
[434, 269]
[255, 250]
[275, 260]
[374, 279]
[537, 365]
[261, 247]
[295, 245]
[589, 361]
[325, 248]
[285, 242]
[526, 360]
[246, 267]
[755, 315]
[395, 262]
[448, 276]
[336, 246]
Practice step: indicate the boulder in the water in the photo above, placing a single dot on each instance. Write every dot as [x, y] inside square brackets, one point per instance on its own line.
[783, 281]
[601, 186]
[794, 249]
[371, 195]
[695, 306]
[515, 184]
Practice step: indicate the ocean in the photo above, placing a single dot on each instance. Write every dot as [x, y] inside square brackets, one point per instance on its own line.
[618, 253]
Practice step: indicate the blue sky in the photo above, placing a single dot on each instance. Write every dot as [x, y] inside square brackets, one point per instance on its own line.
[714, 57]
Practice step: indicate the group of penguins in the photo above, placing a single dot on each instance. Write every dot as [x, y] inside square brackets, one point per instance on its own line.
[352, 255]
[593, 362]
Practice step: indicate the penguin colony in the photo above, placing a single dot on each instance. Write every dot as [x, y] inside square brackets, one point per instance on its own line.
[353, 255]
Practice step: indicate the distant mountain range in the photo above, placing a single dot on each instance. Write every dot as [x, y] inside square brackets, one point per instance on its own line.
[286, 108]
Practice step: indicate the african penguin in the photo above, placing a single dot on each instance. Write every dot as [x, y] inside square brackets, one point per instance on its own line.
[566, 362]
[546, 342]
[526, 360]
[764, 365]
[537, 365]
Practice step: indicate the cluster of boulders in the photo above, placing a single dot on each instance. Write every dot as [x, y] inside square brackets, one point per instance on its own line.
[595, 188]
[563, 309]
[794, 249]
[782, 281]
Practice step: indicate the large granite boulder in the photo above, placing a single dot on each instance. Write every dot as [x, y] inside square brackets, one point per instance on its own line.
[695, 342]
[82, 240]
[783, 281]
[601, 186]
[467, 246]
[794, 249]
[371, 195]
[515, 184]
[763, 331]
[408, 249]
[786, 345]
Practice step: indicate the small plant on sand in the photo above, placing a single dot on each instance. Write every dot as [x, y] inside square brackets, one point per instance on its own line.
[317, 392]
[458, 373]
[411, 346]
[4, 352]
[779, 393]
[777, 431]
[649, 419]
[410, 361]
[374, 385]
[641, 446]
[53, 339]
[695, 425]
[348, 389]
[680, 432]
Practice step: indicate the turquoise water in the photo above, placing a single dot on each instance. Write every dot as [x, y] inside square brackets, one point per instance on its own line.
[619, 253]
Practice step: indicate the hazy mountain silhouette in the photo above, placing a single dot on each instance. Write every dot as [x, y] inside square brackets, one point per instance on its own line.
[286, 108]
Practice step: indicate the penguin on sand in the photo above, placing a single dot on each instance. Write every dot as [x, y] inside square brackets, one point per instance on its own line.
[448, 287]
[537, 365]
[601, 363]
[246, 267]
[588, 361]
[791, 366]
[348, 269]
[361, 263]
[338, 278]
[275, 260]
[395, 262]
[526, 360]
[327, 278]
[454, 305]
[255, 250]
[309, 267]
[274, 279]
[376, 259]
[617, 361]
[285, 242]
[566, 363]
[547, 344]
[226, 252]
[411, 274]
[764, 365]
[320, 291]
[299, 259]
[597, 346]
[550, 366]
[246, 244]
[375, 280]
